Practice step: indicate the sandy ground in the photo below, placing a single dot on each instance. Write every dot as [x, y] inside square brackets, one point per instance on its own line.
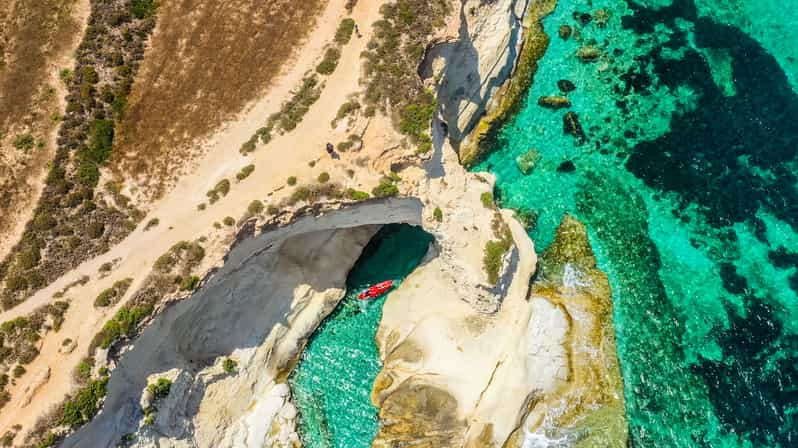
[178, 214]
[9, 237]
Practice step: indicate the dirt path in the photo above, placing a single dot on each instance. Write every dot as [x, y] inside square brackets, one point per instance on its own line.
[179, 218]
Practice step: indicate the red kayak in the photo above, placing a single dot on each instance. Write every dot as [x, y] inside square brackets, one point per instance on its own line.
[376, 290]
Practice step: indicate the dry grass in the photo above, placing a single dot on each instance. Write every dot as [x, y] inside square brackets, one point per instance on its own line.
[32, 34]
[207, 61]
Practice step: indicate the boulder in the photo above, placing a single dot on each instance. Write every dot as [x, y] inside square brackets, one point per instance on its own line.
[565, 86]
[588, 53]
[571, 125]
[565, 32]
[527, 161]
[554, 102]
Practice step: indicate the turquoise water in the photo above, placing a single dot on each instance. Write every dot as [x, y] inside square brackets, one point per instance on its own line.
[332, 383]
[686, 178]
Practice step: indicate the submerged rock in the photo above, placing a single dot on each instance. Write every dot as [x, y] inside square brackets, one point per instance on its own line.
[527, 161]
[566, 86]
[554, 102]
[571, 125]
[588, 53]
[601, 16]
[565, 32]
[566, 167]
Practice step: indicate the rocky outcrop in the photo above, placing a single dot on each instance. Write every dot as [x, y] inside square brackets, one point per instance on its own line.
[543, 366]
[584, 407]
[507, 99]
[275, 286]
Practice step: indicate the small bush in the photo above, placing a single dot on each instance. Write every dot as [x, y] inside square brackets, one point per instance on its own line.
[255, 207]
[160, 389]
[229, 365]
[386, 188]
[437, 214]
[81, 408]
[142, 9]
[202, 206]
[83, 370]
[330, 61]
[272, 210]
[228, 221]
[151, 223]
[95, 229]
[18, 371]
[356, 195]
[24, 142]
[105, 298]
[487, 199]
[245, 172]
[106, 267]
[323, 178]
[344, 32]
[223, 187]
[189, 283]
[123, 324]
[291, 181]
[344, 110]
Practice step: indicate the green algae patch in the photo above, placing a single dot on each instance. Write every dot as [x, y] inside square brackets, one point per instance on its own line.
[513, 93]
[590, 402]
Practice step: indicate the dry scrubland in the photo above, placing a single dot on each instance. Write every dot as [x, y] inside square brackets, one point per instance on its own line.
[208, 59]
[32, 34]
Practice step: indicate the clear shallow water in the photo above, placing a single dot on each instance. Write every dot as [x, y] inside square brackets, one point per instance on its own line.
[687, 183]
[332, 383]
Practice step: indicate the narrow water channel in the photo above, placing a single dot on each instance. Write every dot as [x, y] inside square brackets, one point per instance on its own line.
[332, 383]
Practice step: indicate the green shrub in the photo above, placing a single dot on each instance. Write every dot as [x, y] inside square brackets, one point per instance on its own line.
[494, 251]
[142, 9]
[344, 32]
[229, 365]
[345, 109]
[487, 199]
[24, 142]
[18, 371]
[123, 324]
[245, 172]
[95, 229]
[83, 370]
[255, 207]
[151, 223]
[323, 178]
[105, 298]
[223, 187]
[66, 76]
[386, 188]
[81, 408]
[228, 221]
[249, 145]
[189, 283]
[415, 118]
[160, 389]
[272, 210]
[291, 181]
[356, 195]
[330, 61]
[437, 214]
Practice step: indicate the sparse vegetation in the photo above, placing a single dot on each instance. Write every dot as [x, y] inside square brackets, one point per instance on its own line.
[189, 283]
[487, 199]
[151, 223]
[229, 365]
[255, 207]
[291, 181]
[323, 178]
[245, 172]
[24, 142]
[344, 32]
[107, 62]
[391, 60]
[346, 109]
[160, 389]
[272, 210]
[386, 188]
[314, 193]
[496, 249]
[220, 190]
[356, 195]
[330, 61]
[437, 214]
[123, 324]
[112, 295]
[229, 221]
[230, 72]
